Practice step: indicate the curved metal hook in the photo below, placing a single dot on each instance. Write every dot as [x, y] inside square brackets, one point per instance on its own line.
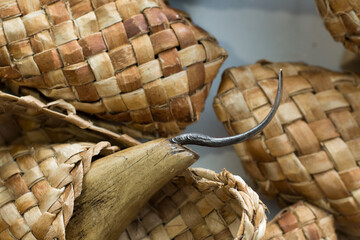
[204, 140]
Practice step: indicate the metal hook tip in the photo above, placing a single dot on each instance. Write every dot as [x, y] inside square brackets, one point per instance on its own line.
[204, 140]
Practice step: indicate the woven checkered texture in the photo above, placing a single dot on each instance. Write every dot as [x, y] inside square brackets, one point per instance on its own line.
[38, 185]
[342, 20]
[301, 221]
[200, 204]
[311, 149]
[137, 62]
[28, 120]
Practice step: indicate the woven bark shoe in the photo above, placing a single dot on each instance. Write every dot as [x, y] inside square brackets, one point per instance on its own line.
[139, 64]
[200, 204]
[311, 149]
[341, 18]
[301, 221]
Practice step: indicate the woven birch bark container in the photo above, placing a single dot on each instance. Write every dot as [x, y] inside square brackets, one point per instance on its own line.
[200, 204]
[135, 62]
[341, 19]
[301, 221]
[311, 148]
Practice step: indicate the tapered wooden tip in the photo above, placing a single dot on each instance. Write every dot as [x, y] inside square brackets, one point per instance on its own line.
[116, 187]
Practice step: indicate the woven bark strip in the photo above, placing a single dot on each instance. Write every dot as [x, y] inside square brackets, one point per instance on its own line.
[200, 204]
[28, 120]
[341, 18]
[310, 150]
[301, 221]
[38, 187]
[138, 63]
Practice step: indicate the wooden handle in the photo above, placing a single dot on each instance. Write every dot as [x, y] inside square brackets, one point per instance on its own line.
[117, 186]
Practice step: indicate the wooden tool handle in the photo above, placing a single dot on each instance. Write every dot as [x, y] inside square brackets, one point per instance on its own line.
[117, 186]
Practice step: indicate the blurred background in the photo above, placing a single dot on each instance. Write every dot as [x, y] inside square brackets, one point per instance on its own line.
[250, 30]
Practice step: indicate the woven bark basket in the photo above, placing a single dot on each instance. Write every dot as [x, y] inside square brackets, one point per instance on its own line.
[135, 62]
[200, 204]
[311, 148]
[301, 221]
[341, 18]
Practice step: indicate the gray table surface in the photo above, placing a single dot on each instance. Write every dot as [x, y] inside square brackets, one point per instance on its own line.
[250, 30]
